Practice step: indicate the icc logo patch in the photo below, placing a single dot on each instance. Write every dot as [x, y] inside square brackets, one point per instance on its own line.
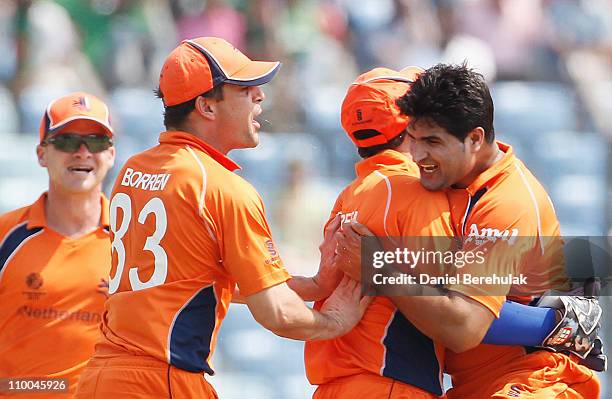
[34, 281]
[359, 115]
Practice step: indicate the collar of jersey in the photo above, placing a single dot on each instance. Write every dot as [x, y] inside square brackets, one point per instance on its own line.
[385, 159]
[37, 218]
[498, 168]
[183, 138]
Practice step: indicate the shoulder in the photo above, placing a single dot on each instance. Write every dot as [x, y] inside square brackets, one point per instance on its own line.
[516, 201]
[410, 192]
[11, 220]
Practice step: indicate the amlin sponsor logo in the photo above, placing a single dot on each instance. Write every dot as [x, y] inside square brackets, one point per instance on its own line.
[490, 234]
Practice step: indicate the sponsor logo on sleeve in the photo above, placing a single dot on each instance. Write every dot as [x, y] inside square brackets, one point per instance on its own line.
[272, 251]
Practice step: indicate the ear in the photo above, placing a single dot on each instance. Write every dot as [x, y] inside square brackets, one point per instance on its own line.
[40, 154]
[206, 107]
[476, 139]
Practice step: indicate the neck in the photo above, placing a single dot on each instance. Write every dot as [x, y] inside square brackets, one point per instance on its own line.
[208, 135]
[485, 159]
[73, 215]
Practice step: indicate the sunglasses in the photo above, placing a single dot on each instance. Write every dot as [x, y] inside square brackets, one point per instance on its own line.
[71, 142]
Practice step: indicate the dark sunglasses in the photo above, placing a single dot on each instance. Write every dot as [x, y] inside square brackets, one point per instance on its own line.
[71, 142]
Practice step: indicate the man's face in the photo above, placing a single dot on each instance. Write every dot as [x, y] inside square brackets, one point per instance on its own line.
[442, 158]
[236, 115]
[80, 171]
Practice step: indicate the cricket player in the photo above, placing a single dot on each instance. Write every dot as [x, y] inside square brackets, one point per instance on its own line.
[55, 253]
[452, 141]
[384, 356]
[186, 230]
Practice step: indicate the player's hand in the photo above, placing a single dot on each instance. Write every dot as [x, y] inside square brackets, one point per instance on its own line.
[328, 276]
[345, 307]
[348, 248]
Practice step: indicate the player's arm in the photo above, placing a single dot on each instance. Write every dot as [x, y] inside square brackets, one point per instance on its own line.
[451, 318]
[280, 310]
[322, 284]
[517, 324]
[454, 320]
[250, 257]
[522, 325]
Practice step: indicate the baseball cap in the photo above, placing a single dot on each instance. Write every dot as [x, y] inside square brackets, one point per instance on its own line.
[198, 65]
[74, 106]
[370, 104]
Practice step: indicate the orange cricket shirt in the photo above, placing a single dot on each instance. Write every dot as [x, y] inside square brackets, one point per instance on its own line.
[185, 230]
[388, 198]
[52, 293]
[505, 201]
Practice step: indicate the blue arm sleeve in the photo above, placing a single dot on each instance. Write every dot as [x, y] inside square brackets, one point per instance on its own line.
[521, 325]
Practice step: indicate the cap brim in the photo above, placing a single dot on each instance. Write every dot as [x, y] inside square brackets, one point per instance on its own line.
[255, 73]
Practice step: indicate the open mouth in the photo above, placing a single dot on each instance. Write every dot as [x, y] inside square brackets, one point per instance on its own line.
[428, 168]
[256, 124]
[80, 169]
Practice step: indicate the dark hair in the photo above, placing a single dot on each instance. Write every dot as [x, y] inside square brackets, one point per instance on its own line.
[453, 97]
[366, 152]
[175, 115]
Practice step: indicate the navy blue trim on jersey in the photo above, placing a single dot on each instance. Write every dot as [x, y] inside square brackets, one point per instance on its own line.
[410, 356]
[13, 240]
[473, 200]
[191, 334]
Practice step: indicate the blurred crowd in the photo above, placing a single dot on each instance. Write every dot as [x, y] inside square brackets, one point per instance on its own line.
[549, 64]
[107, 45]
[560, 51]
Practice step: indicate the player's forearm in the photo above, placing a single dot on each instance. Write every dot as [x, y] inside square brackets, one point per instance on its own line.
[280, 310]
[449, 318]
[307, 325]
[438, 318]
[307, 288]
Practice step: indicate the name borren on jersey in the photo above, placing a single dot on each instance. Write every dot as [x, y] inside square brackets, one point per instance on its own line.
[145, 181]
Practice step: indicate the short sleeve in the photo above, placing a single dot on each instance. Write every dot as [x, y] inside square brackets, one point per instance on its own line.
[248, 250]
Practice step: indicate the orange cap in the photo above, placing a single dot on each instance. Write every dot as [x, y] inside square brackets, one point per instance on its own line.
[370, 104]
[74, 106]
[198, 65]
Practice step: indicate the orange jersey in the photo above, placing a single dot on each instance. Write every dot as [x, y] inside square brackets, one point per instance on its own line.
[506, 202]
[52, 293]
[185, 230]
[388, 198]
[370, 386]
